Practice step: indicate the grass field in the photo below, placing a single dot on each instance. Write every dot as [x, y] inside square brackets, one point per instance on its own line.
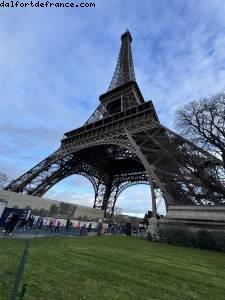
[112, 268]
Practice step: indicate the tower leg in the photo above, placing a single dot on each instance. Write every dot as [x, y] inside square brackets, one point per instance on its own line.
[150, 170]
[108, 190]
[96, 195]
[154, 210]
[153, 222]
[114, 201]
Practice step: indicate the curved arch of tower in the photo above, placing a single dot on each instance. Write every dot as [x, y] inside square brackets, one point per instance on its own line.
[123, 143]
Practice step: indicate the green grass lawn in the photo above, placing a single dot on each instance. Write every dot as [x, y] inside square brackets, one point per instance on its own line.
[112, 268]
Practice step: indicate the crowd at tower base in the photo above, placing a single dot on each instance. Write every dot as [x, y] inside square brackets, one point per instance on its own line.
[14, 221]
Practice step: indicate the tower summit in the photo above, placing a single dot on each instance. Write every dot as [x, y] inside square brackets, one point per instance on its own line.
[123, 92]
[124, 71]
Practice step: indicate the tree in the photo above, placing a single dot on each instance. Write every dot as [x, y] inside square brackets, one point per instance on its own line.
[4, 179]
[118, 210]
[65, 208]
[203, 122]
[54, 210]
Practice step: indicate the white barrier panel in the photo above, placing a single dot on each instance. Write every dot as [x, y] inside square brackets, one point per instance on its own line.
[75, 223]
[2, 207]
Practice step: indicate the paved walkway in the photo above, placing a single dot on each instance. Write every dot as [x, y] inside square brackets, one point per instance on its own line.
[33, 233]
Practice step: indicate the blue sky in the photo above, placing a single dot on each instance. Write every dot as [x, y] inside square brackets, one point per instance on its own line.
[54, 64]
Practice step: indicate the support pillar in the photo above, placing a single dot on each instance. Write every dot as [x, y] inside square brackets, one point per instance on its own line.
[150, 169]
[154, 210]
[96, 195]
[114, 200]
[152, 227]
[107, 194]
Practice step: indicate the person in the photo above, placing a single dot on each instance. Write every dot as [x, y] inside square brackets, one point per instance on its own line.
[85, 230]
[50, 225]
[81, 230]
[31, 221]
[68, 224]
[40, 222]
[12, 224]
[23, 223]
[100, 229]
[71, 225]
[112, 228]
[7, 222]
[57, 226]
[89, 227]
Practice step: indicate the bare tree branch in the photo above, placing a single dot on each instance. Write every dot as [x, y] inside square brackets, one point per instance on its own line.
[203, 121]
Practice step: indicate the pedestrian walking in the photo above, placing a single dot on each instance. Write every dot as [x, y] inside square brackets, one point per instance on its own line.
[30, 221]
[57, 227]
[71, 225]
[89, 227]
[100, 229]
[50, 225]
[40, 223]
[12, 224]
[7, 223]
[68, 224]
[81, 230]
[85, 230]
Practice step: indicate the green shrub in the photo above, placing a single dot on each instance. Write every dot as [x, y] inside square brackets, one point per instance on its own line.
[205, 240]
[177, 236]
[202, 239]
[219, 238]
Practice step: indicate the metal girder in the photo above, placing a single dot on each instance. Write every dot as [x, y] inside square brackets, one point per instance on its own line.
[124, 71]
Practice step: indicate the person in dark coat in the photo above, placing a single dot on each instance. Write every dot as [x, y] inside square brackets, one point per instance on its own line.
[30, 221]
[100, 229]
[81, 230]
[12, 223]
[68, 224]
[89, 227]
[23, 223]
[50, 225]
[85, 230]
[57, 226]
[7, 222]
[71, 225]
[40, 222]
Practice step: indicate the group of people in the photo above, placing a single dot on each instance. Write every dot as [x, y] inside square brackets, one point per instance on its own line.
[84, 229]
[69, 225]
[15, 220]
[50, 226]
[11, 222]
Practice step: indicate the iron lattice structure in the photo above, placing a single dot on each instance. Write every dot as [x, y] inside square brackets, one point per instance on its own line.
[123, 143]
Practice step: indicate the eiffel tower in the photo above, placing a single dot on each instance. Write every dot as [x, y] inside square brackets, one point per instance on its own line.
[123, 143]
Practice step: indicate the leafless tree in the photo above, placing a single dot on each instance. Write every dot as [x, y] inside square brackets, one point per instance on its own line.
[195, 175]
[118, 210]
[203, 122]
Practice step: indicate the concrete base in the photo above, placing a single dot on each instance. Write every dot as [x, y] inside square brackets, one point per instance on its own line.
[203, 213]
[152, 228]
[195, 218]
